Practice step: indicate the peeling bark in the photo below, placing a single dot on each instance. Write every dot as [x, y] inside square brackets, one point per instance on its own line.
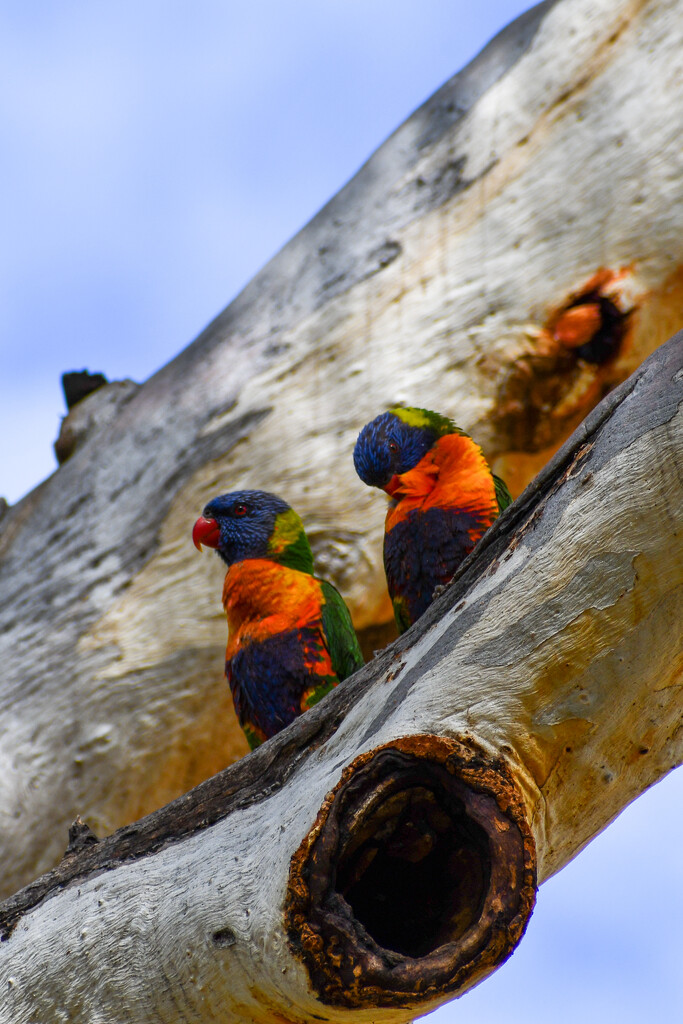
[537, 696]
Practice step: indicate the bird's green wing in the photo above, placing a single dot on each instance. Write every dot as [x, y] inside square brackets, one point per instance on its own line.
[503, 496]
[341, 636]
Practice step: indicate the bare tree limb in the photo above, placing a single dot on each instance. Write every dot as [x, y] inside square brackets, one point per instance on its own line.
[536, 698]
[545, 174]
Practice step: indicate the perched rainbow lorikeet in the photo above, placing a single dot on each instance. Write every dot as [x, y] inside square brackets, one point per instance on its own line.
[443, 498]
[290, 637]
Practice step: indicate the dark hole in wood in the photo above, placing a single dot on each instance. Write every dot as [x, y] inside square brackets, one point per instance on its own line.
[607, 339]
[224, 937]
[417, 871]
[417, 877]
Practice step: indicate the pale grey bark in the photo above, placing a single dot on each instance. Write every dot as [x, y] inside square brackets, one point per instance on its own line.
[433, 278]
[554, 657]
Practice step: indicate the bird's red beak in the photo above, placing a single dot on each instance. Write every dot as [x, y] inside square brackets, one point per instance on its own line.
[206, 531]
[393, 485]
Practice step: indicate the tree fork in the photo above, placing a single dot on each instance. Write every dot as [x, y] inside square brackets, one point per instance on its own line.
[536, 697]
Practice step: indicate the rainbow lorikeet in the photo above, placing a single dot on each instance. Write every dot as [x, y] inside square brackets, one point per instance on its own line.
[443, 498]
[290, 636]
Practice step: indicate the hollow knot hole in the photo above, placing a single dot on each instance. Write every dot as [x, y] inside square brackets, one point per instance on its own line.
[418, 876]
[416, 871]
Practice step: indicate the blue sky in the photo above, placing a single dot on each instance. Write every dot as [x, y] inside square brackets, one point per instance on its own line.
[155, 155]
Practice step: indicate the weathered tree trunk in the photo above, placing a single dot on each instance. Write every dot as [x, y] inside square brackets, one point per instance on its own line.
[382, 853]
[547, 174]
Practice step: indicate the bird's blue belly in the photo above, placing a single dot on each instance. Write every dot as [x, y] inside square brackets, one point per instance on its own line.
[268, 678]
[423, 551]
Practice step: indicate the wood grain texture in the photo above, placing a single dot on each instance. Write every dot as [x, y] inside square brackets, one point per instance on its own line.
[557, 648]
[434, 277]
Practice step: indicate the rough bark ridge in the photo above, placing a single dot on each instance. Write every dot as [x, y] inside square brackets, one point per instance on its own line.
[540, 694]
[536, 194]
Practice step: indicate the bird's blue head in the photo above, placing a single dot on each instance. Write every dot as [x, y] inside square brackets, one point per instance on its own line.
[394, 442]
[254, 524]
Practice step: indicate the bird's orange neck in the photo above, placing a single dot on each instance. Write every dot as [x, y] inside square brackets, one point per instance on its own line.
[261, 597]
[418, 482]
[453, 474]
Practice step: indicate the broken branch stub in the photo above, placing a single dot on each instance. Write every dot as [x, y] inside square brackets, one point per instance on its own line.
[417, 878]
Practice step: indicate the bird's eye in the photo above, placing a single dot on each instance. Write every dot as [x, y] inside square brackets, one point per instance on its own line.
[240, 510]
[393, 447]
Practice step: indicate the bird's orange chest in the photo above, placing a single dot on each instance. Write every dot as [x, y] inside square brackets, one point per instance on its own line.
[452, 475]
[262, 598]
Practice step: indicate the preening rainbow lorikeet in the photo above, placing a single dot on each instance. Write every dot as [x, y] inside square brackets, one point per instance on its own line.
[443, 498]
[290, 636]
